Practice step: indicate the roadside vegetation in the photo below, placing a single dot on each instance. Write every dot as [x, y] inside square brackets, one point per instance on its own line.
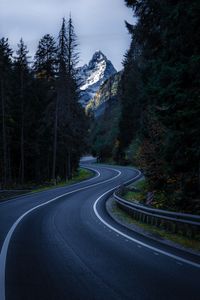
[154, 231]
[137, 192]
[80, 175]
[157, 125]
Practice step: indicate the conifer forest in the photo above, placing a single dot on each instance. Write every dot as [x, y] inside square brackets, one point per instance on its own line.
[157, 123]
[43, 126]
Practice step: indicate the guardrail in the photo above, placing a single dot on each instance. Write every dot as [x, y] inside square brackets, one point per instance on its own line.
[185, 224]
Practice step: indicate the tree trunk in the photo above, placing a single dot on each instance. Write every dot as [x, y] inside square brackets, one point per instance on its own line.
[55, 142]
[4, 135]
[199, 178]
[22, 151]
[22, 128]
[68, 166]
[9, 166]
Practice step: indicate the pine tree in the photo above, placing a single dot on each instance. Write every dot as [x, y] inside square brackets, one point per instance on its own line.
[60, 90]
[130, 94]
[74, 111]
[45, 69]
[22, 71]
[70, 128]
[5, 80]
[72, 54]
[45, 58]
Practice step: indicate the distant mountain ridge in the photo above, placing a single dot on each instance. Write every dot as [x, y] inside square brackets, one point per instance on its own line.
[105, 96]
[93, 75]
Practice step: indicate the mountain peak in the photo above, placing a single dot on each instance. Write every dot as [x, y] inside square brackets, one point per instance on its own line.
[97, 59]
[98, 55]
[93, 75]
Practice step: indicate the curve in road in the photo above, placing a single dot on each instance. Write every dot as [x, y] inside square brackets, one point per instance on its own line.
[62, 244]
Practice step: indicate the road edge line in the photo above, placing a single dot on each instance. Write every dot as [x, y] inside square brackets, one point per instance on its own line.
[5, 246]
[133, 239]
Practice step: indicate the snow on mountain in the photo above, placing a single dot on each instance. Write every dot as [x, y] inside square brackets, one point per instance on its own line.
[93, 75]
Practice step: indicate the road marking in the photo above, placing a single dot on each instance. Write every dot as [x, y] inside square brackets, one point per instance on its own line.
[155, 253]
[4, 249]
[63, 187]
[180, 259]
[90, 179]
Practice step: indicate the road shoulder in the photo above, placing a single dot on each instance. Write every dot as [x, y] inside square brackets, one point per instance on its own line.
[121, 218]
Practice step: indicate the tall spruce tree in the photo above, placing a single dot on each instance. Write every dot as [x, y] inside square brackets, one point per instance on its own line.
[21, 69]
[45, 58]
[130, 91]
[69, 127]
[45, 68]
[77, 123]
[61, 93]
[5, 81]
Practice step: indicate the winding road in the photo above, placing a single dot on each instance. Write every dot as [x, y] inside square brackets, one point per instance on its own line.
[61, 244]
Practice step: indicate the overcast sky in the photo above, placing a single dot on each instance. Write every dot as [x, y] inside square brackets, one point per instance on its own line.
[99, 24]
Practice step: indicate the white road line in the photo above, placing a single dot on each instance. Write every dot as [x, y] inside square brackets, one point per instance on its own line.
[135, 240]
[90, 179]
[4, 250]
[63, 187]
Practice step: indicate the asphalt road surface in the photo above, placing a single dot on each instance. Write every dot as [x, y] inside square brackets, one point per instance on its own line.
[62, 245]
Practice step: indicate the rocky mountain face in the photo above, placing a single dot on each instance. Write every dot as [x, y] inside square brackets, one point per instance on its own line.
[92, 76]
[105, 96]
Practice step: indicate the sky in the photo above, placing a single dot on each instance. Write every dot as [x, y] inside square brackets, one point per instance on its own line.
[99, 24]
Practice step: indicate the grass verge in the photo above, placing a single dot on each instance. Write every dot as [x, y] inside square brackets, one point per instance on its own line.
[140, 192]
[81, 175]
[157, 232]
